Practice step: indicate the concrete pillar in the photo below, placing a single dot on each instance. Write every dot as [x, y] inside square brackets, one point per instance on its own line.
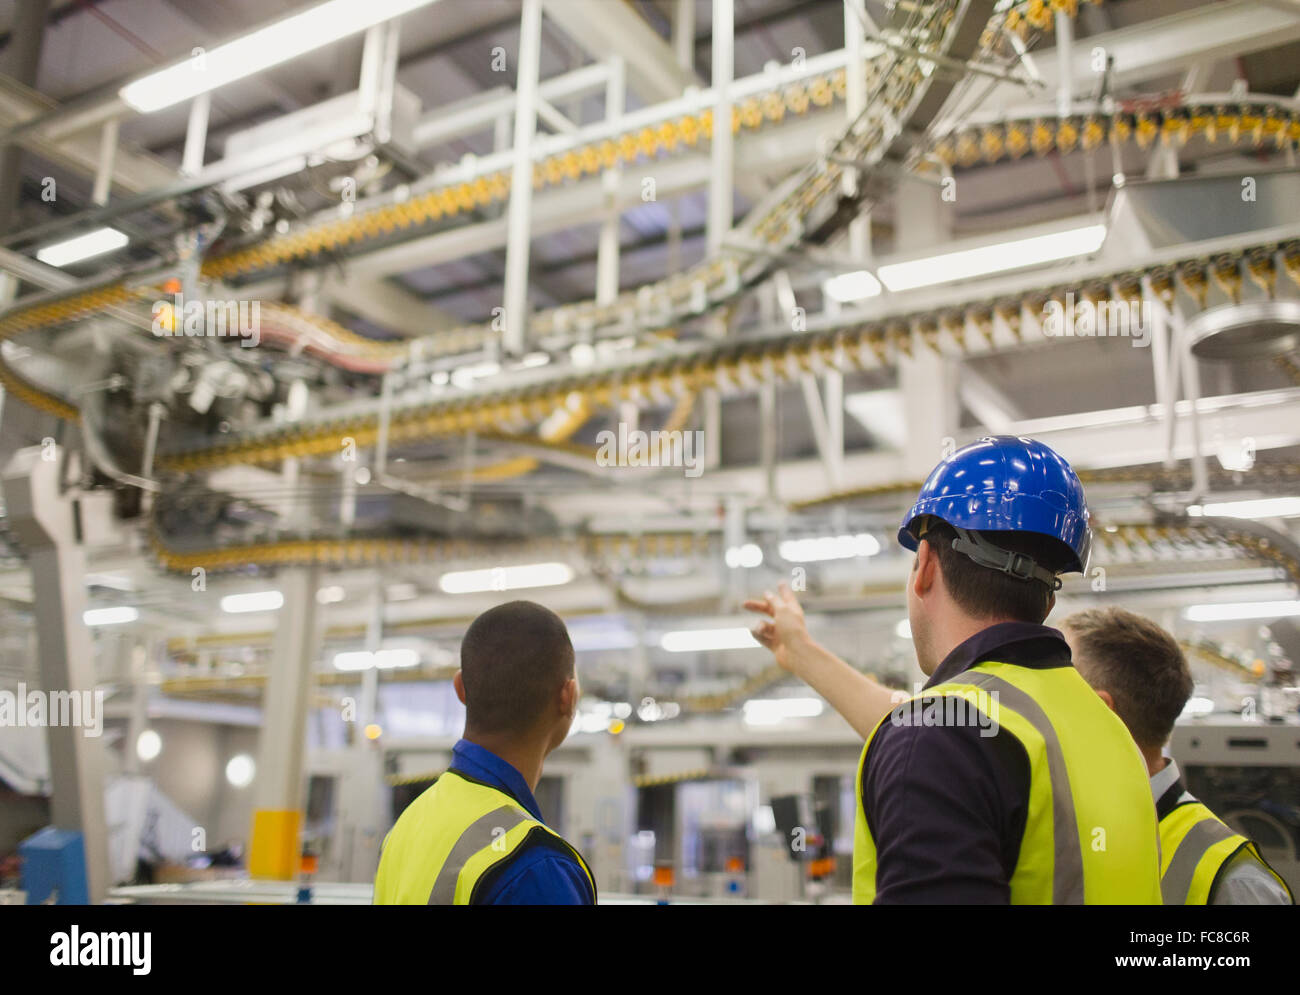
[723, 150]
[278, 783]
[607, 251]
[520, 211]
[927, 380]
[45, 522]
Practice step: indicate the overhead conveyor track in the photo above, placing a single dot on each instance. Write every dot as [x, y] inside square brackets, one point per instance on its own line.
[904, 98]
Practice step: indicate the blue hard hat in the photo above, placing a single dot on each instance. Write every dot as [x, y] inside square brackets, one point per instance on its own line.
[1007, 484]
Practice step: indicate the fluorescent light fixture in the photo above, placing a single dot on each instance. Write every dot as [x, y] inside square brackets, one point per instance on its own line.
[240, 770]
[903, 630]
[506, 578]
[261, 49]
[840, 547]
[1242, 611]
[396, 659]
[356, 660]
[770, 711]
[595, 639]
[656, 711]
[1196, 707]
[391, 659]
[1281, 507]
[148, 745]
[465, 376]
[110, 616]
[697, 640]
[87, 246]
[330, 595]
[257, 601]
[965, 264]
[748, 555]
[854, 286]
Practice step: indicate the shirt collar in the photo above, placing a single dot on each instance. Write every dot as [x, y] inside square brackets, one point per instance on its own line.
[1021, 643]
[1167, 788]
[1164, 779]
[482, 764]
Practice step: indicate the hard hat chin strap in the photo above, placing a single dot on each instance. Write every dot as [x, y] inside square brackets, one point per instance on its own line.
[986, 554]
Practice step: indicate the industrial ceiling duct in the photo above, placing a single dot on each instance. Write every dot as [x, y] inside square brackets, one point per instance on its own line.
[1250, 330]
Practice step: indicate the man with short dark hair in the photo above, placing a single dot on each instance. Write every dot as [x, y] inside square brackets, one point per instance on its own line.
[1006, 780]
[1139, 670]
[477, 836]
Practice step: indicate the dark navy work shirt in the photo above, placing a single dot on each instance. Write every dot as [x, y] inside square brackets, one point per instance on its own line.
[946, 804]
[537, 874]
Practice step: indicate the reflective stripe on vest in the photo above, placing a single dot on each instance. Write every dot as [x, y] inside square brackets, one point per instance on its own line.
[1067, 857]
[448, 841]
[1196, 844]
[482, 833]
[1090, 831]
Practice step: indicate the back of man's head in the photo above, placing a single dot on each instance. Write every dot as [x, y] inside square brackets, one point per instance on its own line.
[1137, 663]
[986, 593]
[514, 660]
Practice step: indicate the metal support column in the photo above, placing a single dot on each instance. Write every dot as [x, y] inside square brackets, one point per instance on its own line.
[196, 135]
[23, 58]
[46, 522]
[274, 843]
[684, 34]
[107, 162]
[721, 186]
[928, 381]
[855, 102]
[723, 151]
[1064, 64]
[519, 223]
[607, 251]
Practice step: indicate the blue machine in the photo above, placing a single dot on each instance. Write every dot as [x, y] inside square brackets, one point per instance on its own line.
[54, 863]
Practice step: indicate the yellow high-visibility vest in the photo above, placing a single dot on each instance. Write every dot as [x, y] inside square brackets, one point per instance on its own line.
[449, 842]
[1090, 832]
[1195, 845]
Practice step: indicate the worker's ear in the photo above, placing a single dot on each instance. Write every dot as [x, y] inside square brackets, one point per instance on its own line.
[569, 695]
[1106, 697]
[458, 683]
[925, 572]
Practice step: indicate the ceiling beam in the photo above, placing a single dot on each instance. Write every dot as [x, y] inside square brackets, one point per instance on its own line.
[1159, 47]
[604, 28]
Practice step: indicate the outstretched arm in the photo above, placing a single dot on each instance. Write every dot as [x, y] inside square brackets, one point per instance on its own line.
[860, 700]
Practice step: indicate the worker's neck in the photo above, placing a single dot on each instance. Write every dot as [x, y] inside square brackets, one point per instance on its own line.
[956, 629]
[1155, 758]
[524, 754]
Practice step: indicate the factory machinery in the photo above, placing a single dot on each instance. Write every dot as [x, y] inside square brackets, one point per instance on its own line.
[207, 400]
[161, 413]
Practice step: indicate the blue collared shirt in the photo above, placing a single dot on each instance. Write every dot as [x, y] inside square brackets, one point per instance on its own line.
[537, 875]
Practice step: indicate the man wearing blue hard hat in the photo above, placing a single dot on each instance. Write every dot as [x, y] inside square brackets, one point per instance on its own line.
[1006, 779]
